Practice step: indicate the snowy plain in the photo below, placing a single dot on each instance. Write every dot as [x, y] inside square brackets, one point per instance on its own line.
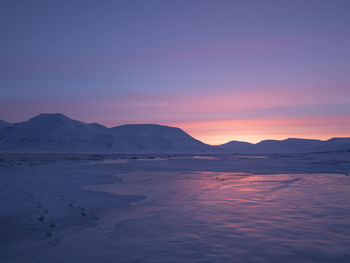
[175, 208]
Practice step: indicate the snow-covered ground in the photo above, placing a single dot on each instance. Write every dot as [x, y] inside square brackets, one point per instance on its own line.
[175, 208]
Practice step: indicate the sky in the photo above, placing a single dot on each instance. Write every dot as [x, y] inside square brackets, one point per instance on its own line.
[221, 70]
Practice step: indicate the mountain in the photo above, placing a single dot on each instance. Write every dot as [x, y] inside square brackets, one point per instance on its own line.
[58, 133]
[145, 138]
[237, 146]
[55, 133]
[291, 145]
[4, 124]
[335, 144]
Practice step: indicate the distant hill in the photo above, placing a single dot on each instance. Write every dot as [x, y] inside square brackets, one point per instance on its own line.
[58, 133]
[237, 146]
[290, 145]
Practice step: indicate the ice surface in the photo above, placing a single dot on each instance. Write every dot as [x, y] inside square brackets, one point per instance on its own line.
[128, 208]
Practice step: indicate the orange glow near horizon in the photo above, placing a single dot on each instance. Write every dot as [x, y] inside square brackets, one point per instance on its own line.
[271, 113]
[254, 130]
[217, 116]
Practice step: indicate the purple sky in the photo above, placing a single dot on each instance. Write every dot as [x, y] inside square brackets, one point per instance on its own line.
[221, 70]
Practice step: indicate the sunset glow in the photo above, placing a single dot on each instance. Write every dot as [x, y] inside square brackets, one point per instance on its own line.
[221, 131]
[238, 71]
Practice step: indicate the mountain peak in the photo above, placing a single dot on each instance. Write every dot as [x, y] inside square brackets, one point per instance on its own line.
[51, 119]
[50, 116]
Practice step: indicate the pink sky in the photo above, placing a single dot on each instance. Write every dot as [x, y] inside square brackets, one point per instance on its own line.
[251, 114]
[221, 70]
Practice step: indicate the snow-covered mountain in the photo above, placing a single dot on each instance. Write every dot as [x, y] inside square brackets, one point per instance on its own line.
[290, 145]
[139, 138]
[55, 133]
[4, 124]
[58, 133]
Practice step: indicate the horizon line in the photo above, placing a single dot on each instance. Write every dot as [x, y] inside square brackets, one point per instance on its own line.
[165, 125]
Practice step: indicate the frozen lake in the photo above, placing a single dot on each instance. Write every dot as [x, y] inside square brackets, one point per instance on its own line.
[225, 217]
[274, 208]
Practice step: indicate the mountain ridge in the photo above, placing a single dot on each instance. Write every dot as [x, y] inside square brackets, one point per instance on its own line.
[58, 133]
[55, 132]
[289, 145]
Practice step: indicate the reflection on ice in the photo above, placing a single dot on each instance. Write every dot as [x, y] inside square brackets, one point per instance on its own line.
[202, 216]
